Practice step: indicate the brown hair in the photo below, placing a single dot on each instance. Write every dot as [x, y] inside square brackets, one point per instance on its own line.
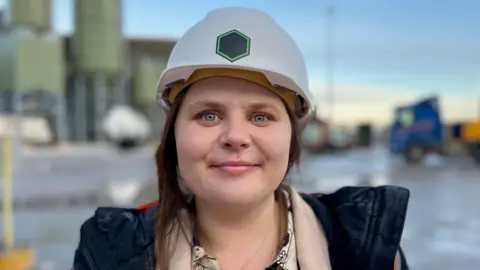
[171, 198]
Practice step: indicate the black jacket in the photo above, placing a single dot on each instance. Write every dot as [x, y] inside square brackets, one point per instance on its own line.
[363, 226]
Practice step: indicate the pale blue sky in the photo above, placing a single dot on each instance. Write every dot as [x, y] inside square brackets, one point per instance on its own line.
[415, 46]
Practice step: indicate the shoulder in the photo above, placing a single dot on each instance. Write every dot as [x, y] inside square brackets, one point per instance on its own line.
[351, 203]
[121, 222]
[385, 207]
[114, 236]
[362, 222]
[362, 194]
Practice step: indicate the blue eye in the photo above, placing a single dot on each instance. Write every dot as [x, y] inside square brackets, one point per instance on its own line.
[260, 118]
[209, 117]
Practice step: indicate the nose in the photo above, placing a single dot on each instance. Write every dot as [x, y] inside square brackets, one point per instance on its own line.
[235, 136]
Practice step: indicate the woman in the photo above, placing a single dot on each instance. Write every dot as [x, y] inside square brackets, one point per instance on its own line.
[236, 92]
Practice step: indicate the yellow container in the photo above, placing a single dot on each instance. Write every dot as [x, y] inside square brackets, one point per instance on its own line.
[17, 259]
[471, 131]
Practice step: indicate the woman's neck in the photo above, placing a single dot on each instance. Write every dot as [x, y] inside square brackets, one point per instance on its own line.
[222, 229]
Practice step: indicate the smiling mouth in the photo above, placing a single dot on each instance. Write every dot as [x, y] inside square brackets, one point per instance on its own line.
[235, 169]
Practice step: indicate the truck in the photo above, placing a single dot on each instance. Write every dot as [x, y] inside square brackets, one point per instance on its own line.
[418, 129]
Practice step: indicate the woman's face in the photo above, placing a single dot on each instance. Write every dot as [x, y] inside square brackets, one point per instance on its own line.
[233, 141]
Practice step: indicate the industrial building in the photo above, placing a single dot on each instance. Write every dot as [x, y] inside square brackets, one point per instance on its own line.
[74, 80]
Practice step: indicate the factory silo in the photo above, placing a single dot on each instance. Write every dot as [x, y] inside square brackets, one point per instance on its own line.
[34, 14]
[99, 54]
[32, 67]
[98, 45]
[145, 79]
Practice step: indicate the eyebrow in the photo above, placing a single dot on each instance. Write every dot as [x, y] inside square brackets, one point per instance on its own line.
[206, 103]
[219, 105]
[263, 105]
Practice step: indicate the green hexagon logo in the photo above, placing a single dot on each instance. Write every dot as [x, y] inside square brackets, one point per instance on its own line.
[233, 45]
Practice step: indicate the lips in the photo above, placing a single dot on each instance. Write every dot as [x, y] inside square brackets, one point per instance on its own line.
[235, 167]
[234, 164]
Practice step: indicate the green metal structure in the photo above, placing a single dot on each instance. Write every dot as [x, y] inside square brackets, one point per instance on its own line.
[98, 45]
[145, 80]
[35, 14]
[29, 62]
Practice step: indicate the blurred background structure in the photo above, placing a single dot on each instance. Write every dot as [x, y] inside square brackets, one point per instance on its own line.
[72, 81]
[72, 102]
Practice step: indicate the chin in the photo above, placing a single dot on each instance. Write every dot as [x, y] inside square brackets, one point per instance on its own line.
[234, 190]
[238, 195]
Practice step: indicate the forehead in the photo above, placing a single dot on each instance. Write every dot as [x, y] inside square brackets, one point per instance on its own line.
[225, 88]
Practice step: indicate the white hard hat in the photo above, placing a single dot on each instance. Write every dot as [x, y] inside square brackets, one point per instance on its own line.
[243, 43]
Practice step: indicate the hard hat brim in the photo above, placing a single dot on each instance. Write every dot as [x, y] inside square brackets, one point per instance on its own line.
[181, 73]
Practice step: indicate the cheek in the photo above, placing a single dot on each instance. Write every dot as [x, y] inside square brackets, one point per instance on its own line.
[275, 145]
[191, 149]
